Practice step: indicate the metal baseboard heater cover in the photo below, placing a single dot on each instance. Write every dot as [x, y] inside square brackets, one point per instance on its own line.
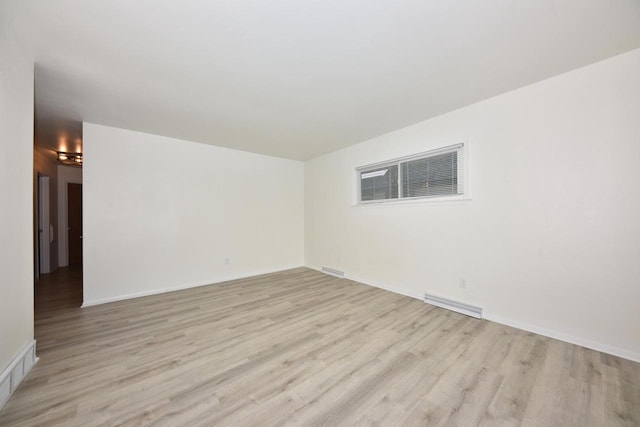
[458, 307]
[332, 271]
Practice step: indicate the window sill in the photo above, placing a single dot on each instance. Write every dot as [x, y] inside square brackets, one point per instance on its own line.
[419, 200]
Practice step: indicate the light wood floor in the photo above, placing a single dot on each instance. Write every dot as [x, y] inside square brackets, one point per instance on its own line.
[301, 348]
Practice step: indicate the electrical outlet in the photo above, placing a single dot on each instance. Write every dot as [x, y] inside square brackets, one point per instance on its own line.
[463, 283]
[227, 261]
[338, 259]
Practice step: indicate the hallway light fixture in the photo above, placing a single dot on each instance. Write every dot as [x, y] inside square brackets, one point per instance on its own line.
[70, 159]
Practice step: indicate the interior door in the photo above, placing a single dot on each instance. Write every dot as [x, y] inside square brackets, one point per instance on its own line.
[74, 209]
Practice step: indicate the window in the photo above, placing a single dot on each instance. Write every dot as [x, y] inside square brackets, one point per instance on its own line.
[379, 183]
[438, 173]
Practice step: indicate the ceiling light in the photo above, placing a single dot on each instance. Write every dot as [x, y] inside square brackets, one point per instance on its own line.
[70, 159]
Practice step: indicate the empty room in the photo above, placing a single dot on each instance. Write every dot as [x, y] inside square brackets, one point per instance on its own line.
[338, 213]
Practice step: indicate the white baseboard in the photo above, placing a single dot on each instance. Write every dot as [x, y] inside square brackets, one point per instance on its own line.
[19, 367]
[561, 336]
[571, 339]
[387, 288]
[374, 284]
[184, 286]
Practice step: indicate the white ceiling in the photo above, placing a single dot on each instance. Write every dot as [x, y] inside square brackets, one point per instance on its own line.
[294, 78]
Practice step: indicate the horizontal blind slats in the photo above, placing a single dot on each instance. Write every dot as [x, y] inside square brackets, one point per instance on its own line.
[379, 186]
[438, 174]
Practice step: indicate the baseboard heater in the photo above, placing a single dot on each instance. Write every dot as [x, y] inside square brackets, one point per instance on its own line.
[458, 307]
[333, 272]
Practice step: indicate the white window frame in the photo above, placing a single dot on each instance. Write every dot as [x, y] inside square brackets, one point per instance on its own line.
[463, 176]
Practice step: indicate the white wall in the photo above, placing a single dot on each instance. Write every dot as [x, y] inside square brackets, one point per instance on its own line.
[161, 213]
[66, 175]
[550, 241]
[16, 188]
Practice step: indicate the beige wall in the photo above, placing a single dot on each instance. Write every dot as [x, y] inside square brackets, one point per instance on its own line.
[549, 241]
[16, 185]
[162, 213]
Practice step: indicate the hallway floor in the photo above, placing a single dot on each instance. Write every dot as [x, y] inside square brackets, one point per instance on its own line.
[56, 292]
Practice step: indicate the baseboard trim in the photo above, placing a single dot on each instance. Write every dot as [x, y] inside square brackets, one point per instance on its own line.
[571, 339]
[19, 367]
[561, 336]
[388, 288]
[374, 284]
[332, 271]
[184, 286]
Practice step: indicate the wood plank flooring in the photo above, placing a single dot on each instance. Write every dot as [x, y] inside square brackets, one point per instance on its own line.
[301, 348]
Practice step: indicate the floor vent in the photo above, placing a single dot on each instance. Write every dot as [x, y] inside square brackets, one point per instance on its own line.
[333, 272]
[459, 307]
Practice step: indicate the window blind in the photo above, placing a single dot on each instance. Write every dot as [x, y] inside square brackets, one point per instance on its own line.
[431, 176]
[379, 184]
[438, 173]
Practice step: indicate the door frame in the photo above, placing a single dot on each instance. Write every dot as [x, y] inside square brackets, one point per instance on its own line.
[63, 219]
[44, 226]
